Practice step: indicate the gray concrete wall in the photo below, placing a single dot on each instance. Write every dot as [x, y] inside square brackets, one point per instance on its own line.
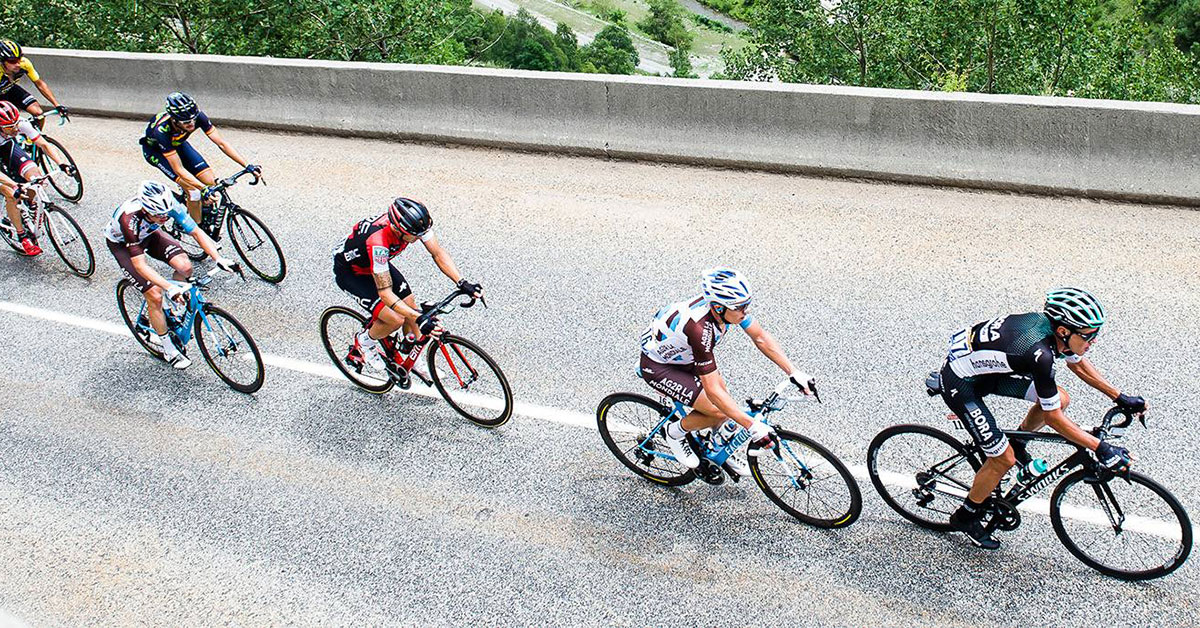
[1101, 149]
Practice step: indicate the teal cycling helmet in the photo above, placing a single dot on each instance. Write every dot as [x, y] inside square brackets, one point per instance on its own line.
[1074, 308]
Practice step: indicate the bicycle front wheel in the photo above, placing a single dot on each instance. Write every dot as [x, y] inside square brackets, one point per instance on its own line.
[69, 186]
[922, 473]
[229, 350]
[628, 424]
[70, 242]
[470, 381]
[132, 305]
[256, 245]
[808, 482]
[1132, 529]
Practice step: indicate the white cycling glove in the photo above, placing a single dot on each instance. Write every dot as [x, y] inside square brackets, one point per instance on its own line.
[803, 381]
[760, 432]
[177, 290]
[226, 265]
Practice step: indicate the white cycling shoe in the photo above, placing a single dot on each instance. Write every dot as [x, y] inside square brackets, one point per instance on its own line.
[177, 360]
[682, 449]
[738, 465]
[371, 351]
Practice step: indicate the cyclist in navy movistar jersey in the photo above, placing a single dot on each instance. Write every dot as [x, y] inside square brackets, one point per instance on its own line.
[165, 147]
[1014, 356]
[677, 360]
[135, 231]
[362, 267]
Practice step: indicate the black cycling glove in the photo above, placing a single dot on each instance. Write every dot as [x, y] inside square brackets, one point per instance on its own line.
[62, 111]
[426, 324]
[468, 288]
[1113, 457]
[1129, 402]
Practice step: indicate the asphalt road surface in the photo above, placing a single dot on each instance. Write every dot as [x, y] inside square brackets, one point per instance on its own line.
[133, 494]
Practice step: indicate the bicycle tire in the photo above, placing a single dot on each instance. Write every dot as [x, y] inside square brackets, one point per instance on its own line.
[14, 244]
[1173, 559]
[651, 413]
[383, 385]
[237, 233]
[82, 267]
[920, 514]
[211, 325]
[450, 347]
[842, 513]
[49, 166]
[125, 288]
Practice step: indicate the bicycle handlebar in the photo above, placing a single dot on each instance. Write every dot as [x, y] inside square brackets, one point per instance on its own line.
[223, 184]
[47, 114]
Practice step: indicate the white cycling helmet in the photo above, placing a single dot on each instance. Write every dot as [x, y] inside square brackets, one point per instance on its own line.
[155, 198]
[1074, 308]
[726, 287]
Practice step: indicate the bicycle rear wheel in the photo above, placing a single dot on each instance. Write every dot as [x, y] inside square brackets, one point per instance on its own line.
[69, 186]
[921, 472]
[808, 482]
[257, 245]
[1129, 529]
[470, 381]
[229, 350]
[338, 325]
[70, 242]
[627, 423]
[132, 305]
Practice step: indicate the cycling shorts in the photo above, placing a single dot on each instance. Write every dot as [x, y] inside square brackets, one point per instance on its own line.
[677, 382]
[191, 159]
[158, 245]
[14, 161]
[362, 287]
[17, 95]
[964, 397]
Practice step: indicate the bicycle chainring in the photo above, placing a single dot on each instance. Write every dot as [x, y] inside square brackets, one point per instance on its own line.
[1005, 516]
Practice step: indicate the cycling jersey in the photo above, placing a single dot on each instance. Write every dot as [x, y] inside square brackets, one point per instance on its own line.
[26, 133]
[129, 226]
[685, 333]
[1019, 343]
[162, 137]
[14, 161]
[371, 246]
[25, 68]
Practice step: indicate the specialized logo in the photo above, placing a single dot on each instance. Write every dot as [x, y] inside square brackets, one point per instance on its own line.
[1037, 355]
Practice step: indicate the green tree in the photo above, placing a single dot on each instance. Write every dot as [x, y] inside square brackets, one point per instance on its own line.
[665, 23]
[611, 52]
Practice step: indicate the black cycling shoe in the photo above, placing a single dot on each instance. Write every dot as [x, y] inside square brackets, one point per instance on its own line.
[973, 528]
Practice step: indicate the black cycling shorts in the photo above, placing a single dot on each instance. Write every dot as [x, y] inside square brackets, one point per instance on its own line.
[362, 287]
[17, 95]
[964, 397]
[189, 157]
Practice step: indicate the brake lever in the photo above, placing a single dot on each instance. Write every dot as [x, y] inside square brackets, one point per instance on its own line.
[814, 392]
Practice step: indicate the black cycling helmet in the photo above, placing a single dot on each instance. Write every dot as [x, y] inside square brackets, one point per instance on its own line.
[410, 217]
[181, 107]
[9, 49]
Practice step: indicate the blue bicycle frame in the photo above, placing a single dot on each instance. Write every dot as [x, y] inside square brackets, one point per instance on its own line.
[180, 330]
[716, 455]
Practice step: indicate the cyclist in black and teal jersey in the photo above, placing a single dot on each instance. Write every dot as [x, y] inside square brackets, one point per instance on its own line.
[165, 147]
[1014, 356]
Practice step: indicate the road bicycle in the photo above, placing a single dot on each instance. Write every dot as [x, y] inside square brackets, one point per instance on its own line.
[461, 372]
[40, 217]
[1123, 525]
[798, 474]
[68, 185]
[224, 342]
[254, 242]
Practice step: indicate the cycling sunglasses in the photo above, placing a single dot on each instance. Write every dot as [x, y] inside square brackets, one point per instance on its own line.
[12, 59]
[1087, 337]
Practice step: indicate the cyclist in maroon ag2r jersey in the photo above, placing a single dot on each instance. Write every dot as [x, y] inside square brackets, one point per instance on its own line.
[363, 268]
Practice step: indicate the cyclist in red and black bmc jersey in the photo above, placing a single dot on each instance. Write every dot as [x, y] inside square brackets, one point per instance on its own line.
[677, 361]
[363, 268]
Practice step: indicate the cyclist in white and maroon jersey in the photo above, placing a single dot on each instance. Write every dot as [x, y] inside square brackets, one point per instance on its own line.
[677, 360]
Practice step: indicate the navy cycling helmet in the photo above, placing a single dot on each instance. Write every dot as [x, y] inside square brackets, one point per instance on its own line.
[181, 107]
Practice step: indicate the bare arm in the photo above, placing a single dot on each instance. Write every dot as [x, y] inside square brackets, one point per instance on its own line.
[442, 259]
[181, 172]
[1091, 376]
[383, 284]
[49, 149]
[45, 90]
[1059, 422]
[769, 347]
[147, 271]
[715, 389]
[216, 137]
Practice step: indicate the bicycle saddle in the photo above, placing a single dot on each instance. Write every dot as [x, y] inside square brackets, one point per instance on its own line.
[933, 384]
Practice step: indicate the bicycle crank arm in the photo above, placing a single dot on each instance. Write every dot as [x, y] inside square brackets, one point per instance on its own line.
[421, 376]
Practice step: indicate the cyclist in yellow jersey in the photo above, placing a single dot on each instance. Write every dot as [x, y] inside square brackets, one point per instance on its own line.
[13, 67]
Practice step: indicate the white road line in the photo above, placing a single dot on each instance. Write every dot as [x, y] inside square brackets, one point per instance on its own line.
[555, 415]
[533, 411]
[9, 620]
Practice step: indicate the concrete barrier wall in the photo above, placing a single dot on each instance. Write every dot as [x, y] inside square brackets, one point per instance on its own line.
[1101, 149]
